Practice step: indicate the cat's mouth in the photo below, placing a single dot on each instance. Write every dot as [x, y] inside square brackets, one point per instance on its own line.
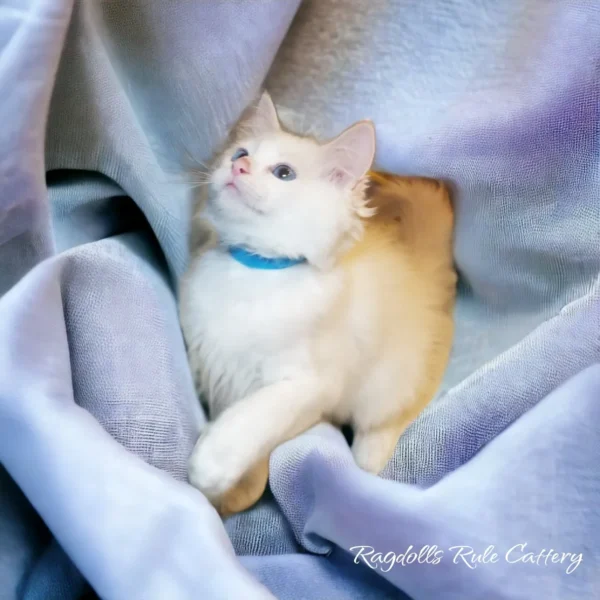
[242, 197]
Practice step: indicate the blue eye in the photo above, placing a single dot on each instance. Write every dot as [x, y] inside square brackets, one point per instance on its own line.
[284, 172]
[239, 153]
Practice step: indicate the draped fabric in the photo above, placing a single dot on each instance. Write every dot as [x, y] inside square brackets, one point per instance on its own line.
[103, 105]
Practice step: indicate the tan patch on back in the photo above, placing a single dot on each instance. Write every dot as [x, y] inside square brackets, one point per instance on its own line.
[419, 207]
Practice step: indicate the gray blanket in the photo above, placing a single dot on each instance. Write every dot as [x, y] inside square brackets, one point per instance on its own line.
[104, 104]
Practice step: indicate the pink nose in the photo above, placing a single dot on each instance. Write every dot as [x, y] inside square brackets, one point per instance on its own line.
[241, 166]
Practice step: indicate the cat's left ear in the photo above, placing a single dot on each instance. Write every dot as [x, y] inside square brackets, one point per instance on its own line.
[348, 157]
[262, 118]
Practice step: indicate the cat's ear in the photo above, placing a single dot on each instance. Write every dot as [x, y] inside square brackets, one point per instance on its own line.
[262, 118]
[348, 157]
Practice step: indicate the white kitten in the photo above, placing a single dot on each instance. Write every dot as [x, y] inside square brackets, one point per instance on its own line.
[344, 332]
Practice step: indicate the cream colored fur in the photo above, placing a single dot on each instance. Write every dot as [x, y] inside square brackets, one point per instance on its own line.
[360, 334]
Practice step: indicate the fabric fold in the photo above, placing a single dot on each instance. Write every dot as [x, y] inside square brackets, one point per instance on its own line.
[106, 108]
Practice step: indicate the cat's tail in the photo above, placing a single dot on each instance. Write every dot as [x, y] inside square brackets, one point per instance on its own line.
[420, 208]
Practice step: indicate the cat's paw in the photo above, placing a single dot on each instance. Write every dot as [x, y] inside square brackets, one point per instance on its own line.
[245, 492]
[211, 468]
[373, 448]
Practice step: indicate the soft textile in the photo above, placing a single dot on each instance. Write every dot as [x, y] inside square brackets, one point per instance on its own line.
[103, 105]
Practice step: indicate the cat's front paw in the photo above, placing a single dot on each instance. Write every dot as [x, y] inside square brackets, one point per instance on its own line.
[211, 468]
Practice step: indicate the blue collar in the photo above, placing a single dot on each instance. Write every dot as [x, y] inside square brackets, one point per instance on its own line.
[255, 261]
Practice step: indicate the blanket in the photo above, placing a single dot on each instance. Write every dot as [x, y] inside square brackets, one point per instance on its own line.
[492, 492]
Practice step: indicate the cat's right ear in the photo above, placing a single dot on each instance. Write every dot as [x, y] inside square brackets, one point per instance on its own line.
[262, 118]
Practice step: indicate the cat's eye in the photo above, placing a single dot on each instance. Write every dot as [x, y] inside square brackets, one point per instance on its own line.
[239, 153]
[284, 172]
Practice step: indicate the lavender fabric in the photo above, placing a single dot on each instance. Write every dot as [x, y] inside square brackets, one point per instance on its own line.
[103, 104]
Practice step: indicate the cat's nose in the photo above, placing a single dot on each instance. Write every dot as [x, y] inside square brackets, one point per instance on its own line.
[241, 166]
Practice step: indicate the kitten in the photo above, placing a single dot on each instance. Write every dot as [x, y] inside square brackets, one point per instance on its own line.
[318, 298]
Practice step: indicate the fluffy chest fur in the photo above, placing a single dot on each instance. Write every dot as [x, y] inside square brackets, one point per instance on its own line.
[246, 328]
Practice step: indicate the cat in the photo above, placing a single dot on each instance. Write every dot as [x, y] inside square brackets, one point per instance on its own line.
[317, 290]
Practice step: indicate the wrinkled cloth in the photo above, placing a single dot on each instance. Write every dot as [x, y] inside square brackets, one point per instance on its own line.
[104, 104]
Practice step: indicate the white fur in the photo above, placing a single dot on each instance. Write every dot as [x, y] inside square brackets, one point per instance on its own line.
[316, 215]
[275, 352]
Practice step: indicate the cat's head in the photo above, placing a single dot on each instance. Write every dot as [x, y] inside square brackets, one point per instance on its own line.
[279, 194]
